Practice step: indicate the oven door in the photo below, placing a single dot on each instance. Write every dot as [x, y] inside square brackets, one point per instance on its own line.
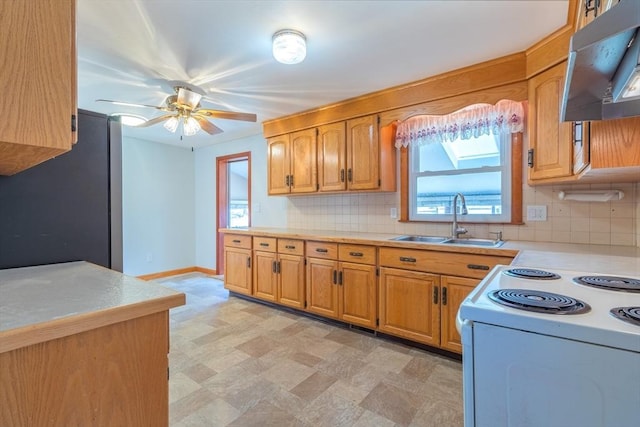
[526, 379]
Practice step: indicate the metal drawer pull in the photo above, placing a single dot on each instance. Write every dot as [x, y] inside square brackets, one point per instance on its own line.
[356, 253]
[335, 277]
[248, 262]
[264, 244]
[444, 296]
[290, 247]
[236, 241]
[435, 295]
[321, 250]
[340, 278]
[407, 259]
[478, 267]
[274, 267]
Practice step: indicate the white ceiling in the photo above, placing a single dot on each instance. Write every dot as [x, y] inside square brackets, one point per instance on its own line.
[129, 50]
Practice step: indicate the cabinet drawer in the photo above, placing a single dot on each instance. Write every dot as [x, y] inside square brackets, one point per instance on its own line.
[289, 246]
[324, 250]
[237, 241]
[267, 244]
[455, 264]
[357, 253]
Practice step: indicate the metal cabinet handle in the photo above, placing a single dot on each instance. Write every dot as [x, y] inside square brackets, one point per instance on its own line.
[340, 278]
[286, 181]
[478, 267]
[444, 296]
[322, 250]
[341, 175]
[350, 175]
[407, 259]
[358, 254]
[236, 241]
[274, 267]
[335, 277]
[278, 267]
[435, 295]
[266, 245]
[291, 180]
[249, 262]
[289, 247]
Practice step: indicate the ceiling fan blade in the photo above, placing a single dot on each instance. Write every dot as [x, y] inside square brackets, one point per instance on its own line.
[231, 115]
[155, 121]
[206, 125]
[130, 104]
[189, 98]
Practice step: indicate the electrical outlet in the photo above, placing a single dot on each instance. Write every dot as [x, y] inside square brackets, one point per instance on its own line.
[393, 213]
[537, 213]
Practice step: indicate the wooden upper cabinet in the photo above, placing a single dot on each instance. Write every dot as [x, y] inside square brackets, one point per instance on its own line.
[363, 153]
[304, 169]
[38, 81]
[550, 141]
[292, 163]
[615, 143]
[332, 160]
[279, 164]
[597, 8]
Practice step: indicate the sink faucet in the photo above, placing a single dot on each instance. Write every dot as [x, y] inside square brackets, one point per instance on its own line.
[455, 230]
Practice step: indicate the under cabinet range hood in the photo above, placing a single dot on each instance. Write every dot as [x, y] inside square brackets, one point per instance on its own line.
[603, 67]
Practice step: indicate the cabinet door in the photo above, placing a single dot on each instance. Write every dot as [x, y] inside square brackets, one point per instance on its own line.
[357, 303]
[237, 270]
[409, 305]
[549, 138]
[615, 143]
[38, 75]
[453, 291]
[322, 287]
[363, 153]
[304, 169]
[291, 280]
[332, 162]
[278, 161]
[265, 279]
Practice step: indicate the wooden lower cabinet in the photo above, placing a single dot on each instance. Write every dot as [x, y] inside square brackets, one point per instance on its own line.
[291, 280]
[237, 264]
[114, 375]
[407, 305]
[453, 291]
[265, 276]
[322, 287]
[357, 297]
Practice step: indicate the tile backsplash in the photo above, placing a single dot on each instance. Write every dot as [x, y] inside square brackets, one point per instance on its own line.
[603, 223]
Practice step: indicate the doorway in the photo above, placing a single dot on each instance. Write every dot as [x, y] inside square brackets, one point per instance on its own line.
[233, 198]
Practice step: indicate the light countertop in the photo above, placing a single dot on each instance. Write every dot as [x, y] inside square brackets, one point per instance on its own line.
[602, 259]
[51, 301]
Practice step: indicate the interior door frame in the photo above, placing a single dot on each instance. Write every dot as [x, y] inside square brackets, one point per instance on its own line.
[222, 220]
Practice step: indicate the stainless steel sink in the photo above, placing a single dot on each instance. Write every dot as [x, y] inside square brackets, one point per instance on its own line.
[423, 239]
[475, 242]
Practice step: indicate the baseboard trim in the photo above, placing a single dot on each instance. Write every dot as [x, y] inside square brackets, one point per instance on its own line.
[162, 274]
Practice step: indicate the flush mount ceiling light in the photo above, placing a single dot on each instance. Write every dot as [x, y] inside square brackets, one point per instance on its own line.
[289, 46]
[129, 119]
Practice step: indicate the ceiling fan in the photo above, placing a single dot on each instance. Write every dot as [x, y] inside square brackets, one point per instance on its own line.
[184, 107]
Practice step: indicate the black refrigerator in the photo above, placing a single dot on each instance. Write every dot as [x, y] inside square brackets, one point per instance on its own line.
[68, 208]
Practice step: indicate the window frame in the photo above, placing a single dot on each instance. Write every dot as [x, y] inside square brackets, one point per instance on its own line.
[516, 185]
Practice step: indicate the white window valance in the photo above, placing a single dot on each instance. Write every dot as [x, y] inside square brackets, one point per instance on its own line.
[470, 122]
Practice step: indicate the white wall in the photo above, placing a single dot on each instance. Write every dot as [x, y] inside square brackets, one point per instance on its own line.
[266, 211]
[158, 207]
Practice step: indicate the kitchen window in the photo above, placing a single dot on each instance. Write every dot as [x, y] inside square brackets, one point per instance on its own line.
[476, 151]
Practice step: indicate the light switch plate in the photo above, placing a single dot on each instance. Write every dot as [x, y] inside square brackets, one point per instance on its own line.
[393, 213]
[537, 213]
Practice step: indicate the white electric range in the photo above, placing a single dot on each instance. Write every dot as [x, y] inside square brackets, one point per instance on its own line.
[568, 362]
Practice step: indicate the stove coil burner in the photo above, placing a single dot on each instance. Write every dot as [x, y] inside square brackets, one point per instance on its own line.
[530, 273]
[538, 301]
[612, 283]
[628, 314]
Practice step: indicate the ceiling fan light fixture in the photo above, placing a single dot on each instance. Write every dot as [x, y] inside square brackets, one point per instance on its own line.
[190, 126]
[172, 124]
[289, 46]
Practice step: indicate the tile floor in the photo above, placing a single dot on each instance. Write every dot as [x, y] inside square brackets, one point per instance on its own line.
[238, 363]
